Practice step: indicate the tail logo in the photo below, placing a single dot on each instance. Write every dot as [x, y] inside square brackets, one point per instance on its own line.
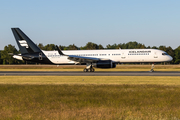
[23, 43]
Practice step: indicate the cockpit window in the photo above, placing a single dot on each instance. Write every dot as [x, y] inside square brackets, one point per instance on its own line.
[164, 54]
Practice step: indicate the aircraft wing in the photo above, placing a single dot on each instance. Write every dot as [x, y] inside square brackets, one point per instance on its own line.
[80, 59]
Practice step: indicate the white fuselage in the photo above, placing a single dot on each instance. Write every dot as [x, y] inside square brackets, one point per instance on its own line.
[116, 55]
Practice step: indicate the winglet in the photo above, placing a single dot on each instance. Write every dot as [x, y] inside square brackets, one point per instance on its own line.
[59, 51]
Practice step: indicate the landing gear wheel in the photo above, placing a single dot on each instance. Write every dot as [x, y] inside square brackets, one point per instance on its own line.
[91, 70]
[85, 70]
[152, 70]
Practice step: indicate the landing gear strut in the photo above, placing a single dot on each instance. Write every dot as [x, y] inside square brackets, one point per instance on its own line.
[152, 68]
[89, 68]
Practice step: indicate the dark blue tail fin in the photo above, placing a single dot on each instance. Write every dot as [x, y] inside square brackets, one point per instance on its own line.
[24, 43]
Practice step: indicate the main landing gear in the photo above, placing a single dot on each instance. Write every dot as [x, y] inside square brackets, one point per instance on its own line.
[152, 68]
[89, 68]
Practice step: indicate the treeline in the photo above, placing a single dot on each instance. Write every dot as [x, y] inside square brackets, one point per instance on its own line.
[6, 57]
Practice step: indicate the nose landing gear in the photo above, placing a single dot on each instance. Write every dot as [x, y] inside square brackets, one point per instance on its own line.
[152, 68]
[88, 70]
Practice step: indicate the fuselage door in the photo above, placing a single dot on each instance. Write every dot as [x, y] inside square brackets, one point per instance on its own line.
[123, 56]
[155, 55]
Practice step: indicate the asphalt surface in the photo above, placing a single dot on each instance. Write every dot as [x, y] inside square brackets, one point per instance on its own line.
[97, 73]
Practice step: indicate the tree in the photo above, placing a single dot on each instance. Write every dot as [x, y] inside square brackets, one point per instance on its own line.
[1, 61]
[177, 55]
[100, 46]
[72, 47]
[63, 47]
[50, 47]
[162, 48]
[114, 46]
[141, 46]
[154, 47]
[148, 47]
[131, 45]
[90, 46]
[41, 46]
[5, 54]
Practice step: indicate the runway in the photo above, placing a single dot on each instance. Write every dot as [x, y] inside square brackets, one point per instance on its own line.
[98, 73]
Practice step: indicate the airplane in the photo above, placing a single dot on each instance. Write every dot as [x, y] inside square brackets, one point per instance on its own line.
[92, 58]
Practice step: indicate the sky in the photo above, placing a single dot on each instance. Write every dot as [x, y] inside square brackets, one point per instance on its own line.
[65, 22]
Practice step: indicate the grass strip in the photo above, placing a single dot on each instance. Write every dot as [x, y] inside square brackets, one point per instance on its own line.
[157, 80]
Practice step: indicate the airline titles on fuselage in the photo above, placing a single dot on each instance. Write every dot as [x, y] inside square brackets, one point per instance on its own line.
[139, 51]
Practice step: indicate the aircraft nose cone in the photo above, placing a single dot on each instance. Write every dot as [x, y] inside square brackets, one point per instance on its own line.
[170, 58]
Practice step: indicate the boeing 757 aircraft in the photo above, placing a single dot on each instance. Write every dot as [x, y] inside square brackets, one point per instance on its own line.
[92, 58]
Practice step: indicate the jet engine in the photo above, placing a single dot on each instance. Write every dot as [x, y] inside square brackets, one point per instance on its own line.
[105, 64]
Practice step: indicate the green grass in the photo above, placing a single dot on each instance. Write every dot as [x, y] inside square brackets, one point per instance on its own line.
[116, 102]
[156, 80]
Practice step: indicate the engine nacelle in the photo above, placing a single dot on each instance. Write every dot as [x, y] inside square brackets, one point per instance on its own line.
[105, 64]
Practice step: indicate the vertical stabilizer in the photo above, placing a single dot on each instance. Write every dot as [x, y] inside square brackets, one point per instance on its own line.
[25, 44]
